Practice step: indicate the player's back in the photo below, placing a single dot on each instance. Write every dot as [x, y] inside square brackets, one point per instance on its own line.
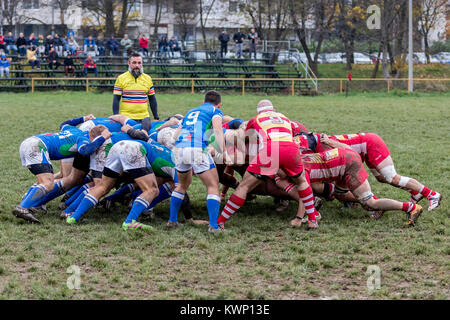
[272, 126]
[160, 159]
[325, 166]
[61, 144]
[355, 141]
[196, 126]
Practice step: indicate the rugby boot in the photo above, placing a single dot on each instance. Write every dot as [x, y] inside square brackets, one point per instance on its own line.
[414, 215]
[136, 226]
[23, 213]
[434, 202]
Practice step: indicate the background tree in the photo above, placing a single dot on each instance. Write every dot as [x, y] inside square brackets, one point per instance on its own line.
[428, 13]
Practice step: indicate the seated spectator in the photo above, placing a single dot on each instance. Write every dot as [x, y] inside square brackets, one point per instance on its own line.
[127, 45]
[100, 46]
[53, 59]
[72, 45]
[90, 47]
[2, 43]
[58, 44]
[21, 44]
[32, 59]
[89, 65]
[113, 46]
[31, 41]
[143, 45]
[48, 44]
[41, 46]
[163, 46]
[4, 65]
[10, 42]
[69, 65]
[65, 45]
[173, 46]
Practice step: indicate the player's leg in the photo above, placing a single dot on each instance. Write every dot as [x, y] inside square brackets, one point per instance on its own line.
[177, 197]
[237, 199]
[210, 179]
[387, 174]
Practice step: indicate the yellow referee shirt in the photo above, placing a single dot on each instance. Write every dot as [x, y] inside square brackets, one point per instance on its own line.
[134, 92]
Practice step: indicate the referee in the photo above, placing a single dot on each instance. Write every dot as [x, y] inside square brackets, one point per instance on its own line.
[136, 90]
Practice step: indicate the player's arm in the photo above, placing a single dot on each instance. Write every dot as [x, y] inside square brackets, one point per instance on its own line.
[171, 122]
[153, 106]
[117, 95]
[218, 133]
[87, 147]
[332, 143]
[76, 121]
[176, 134]
[135, 133]
[119, 118]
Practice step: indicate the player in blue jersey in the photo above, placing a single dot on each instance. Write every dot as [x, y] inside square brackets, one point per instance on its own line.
[191, 154]
[36, 153]
[142, 162]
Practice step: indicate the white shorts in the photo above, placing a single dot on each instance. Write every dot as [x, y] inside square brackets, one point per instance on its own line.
[86, 126]
[33, 151]
[126, 155]
[165, 137]
[192, 158]
[98, 158]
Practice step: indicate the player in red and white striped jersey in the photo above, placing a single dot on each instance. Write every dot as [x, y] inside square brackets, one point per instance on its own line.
[276, 150]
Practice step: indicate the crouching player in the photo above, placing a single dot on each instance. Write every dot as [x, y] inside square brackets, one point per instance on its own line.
[129, 157]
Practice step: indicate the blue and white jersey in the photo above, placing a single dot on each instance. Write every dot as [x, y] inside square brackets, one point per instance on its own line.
[113, 126]
[63, 144]
[197, 126]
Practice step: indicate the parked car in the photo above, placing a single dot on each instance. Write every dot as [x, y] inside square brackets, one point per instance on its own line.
[360, 58]
[334, 57]
[443, 57]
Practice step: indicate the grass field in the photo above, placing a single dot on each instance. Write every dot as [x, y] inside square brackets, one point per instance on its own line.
[261, 256]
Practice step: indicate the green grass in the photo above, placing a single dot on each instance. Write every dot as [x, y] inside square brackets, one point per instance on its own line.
[261, 256]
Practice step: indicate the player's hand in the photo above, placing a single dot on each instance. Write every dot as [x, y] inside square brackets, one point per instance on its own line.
[106, 134]
[88, 117]
[125, 128]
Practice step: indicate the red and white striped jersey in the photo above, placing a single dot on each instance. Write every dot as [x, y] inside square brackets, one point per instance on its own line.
[271, 127]
[325, 166]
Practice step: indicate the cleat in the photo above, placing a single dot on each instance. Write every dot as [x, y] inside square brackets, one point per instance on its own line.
[318, 203]
[106, 204]
[312, 225]
[318, 215]
[375, 215]
[148, 212]
[136, 226]
[416, 199]
[64, 215]
[71, 220]
[62, 205]
[284, 204]
[173, 224]
[298, 221]
[65, 197]
[414, 215]
[23, 213]
[434, 202]
[41, 208]
[214, 230]
[221, 226]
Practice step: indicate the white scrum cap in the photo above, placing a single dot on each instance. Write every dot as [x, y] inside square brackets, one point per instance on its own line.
[264, 106]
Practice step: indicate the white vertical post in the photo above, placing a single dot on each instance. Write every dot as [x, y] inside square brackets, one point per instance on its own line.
[410, 53]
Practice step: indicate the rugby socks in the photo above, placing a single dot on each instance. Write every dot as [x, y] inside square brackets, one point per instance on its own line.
[88, 202]
[233, 204]
[408, 207]
[427, 193]
[72, 191]
[34, 195]
[175, 203]
[165, 191]
[139, 205]
[77, 194]
[74, 205]
[307, 198]
[120, 193]
[58, 189]
[213, 205]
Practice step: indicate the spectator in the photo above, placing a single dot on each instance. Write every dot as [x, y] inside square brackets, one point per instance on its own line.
[238, 39]
[253, 37]
[224, 38]
[90, 47]
[69, 65]
[143, 45]
[32, 59]
[4, 65]
[58, 44]
[41, 45]
[65, 45]
[2, 42]
[72, 45]
[113, 46]
[126, 44]
[163, 46]
[21, 44]
[48, 44]
[10, 42]
[100, 45]
[53, 59]
[89, 65]
[31, 41]
[173, 46]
